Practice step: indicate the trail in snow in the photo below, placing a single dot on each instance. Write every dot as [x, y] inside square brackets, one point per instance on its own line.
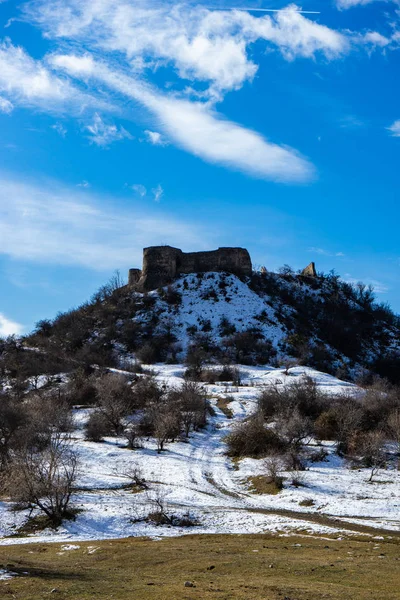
[197, 476]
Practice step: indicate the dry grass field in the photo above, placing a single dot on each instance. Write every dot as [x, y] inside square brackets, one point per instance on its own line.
[224, 567]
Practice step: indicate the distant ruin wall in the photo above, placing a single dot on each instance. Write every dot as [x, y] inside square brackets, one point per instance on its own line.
[162, 264]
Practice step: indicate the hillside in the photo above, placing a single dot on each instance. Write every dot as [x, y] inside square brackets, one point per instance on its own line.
[321, 322]
[181, 410]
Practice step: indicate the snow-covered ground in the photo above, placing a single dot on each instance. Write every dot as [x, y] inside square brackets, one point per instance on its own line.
[198, 477]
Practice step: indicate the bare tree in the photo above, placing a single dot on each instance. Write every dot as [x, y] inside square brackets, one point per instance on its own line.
[133, 473]
[273, 466]
[115, 399]
[393, 426]
[373, 451]
[12, 419]
[132, 437]
[349, 417]
[293, 427]
[45, 479]
[192, 405]
[160, 513]
[97, 427]
[289, 363]
[167, 427]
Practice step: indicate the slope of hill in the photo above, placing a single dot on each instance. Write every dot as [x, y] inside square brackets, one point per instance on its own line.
[194, 478]
[179, 443]
[322, 322]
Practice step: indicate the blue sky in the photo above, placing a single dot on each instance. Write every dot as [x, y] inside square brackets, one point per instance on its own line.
[129, 123]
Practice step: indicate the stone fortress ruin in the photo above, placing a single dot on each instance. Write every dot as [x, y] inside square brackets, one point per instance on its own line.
[163, 264]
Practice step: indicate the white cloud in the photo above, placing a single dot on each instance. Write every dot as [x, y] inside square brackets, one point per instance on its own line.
[102, 134]
[210, 52]
[344, 4]
[51, 224]
[83, 184]
[60, 129]
[351, 122]
[139, 189]
[158, 193]
[376, 39]
[197, 128]
[155, 138]
[323, 252]
[202, 44]
[6, 106]
[28, 82]
[395, 128]
[8, 327]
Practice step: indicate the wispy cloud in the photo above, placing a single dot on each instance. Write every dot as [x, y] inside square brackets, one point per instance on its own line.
[344, 4]
[395, 128]
[158, 193]
[139, 189]
[351, 122]
[209, 48]
[8, 327]
[60, 129]
[83, 184]
[5, 105]
[50, 224]
[201, 44]
[155, 138]
[103, 134]
[29, 82]
[209, 51]
[323, 252]
[198, 128]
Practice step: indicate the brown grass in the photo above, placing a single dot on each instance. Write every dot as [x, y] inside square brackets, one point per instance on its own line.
[223, 405]
[259, 484]
[251, 567]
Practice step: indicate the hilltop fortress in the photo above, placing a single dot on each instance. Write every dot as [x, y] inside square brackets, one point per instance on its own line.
[163, 264]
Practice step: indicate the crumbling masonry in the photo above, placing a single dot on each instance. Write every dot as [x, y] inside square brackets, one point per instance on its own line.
[163, 264]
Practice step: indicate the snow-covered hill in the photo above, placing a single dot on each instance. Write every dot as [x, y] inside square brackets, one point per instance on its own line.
[196, 476]
[322, 321]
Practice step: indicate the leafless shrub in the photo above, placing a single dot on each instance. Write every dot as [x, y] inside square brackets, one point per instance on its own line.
[131, 434]
[293, 427]
[80, 388]
[393, 427]
[147, 391]
[162, 516]
[289, 363]
[115, 399]
[97, 427]
[298, 478]
[45, 479]
[12, 420]
[272, 467]
[134, 474]
[252, 438]
[326, 425]
[52, 410]
[370, 446]
[349, 417]
[167, 427]
[302, 395]
[294, 459]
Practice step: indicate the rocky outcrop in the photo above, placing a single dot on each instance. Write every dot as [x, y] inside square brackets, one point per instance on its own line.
[310, 270]
[163, 264]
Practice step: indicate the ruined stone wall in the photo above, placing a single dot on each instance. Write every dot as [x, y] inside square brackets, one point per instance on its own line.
[232, 260]
[162, 264]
